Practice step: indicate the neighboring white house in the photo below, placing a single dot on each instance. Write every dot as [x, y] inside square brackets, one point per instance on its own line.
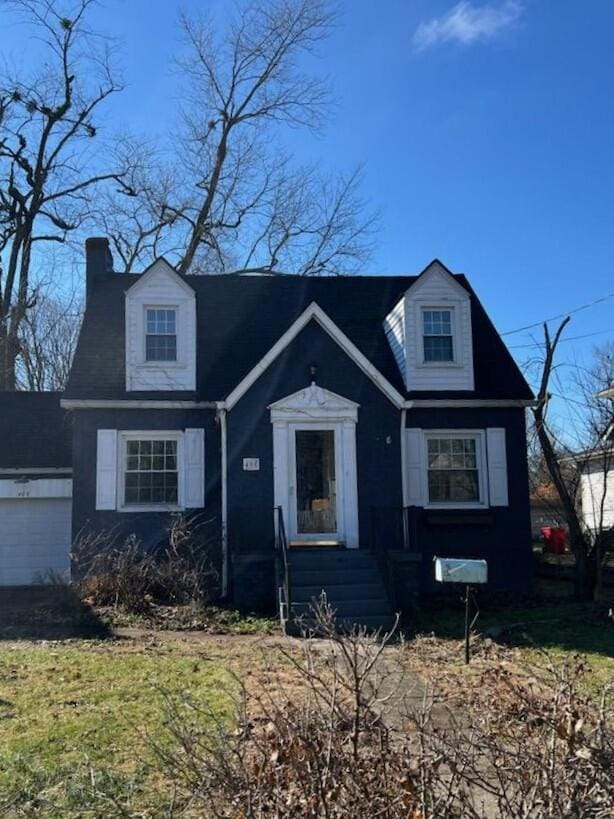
[597, 479]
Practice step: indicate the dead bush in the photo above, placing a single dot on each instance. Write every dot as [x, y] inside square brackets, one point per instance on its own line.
[354, 739]
[121, 573]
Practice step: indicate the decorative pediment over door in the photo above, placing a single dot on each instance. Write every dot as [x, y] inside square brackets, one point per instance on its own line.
[314, 402]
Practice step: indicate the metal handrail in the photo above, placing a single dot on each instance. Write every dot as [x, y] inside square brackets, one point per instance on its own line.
[281, 544]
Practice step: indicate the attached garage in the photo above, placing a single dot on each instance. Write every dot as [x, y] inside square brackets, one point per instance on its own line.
[35, 488]
[35, 530]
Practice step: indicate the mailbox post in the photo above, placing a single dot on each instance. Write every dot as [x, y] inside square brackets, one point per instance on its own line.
[460, 570]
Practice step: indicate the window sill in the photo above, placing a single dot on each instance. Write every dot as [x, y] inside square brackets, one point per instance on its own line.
[455, 507]
[440, 365]
[162, 365]
[151, 507]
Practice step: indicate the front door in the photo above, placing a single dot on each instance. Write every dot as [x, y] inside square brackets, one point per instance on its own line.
[314, 466]
[315, 509]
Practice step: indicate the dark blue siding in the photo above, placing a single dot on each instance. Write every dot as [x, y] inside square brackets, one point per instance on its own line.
[150, 527]
[250, 494]
[501, 535]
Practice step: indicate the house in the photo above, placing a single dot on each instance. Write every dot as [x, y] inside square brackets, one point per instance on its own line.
[35, 487]
[333, 432]
[597, 479]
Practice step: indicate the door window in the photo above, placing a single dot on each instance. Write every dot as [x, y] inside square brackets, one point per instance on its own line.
[316, 494]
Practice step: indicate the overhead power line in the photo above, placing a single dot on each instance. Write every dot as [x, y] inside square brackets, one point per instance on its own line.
[570, 338]
[560, 315]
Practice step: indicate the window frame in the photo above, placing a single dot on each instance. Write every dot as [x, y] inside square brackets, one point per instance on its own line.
[171, 363]
[479, 435]
[455, 360]
[122, 463]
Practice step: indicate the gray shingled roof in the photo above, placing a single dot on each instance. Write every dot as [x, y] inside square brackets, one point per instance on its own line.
[35, 432]
[239, 318]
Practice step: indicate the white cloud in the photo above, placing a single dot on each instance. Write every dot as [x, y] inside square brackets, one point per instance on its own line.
[468, 23]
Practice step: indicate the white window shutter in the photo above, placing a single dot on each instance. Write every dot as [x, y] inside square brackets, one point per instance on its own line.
[415, 467]
[106, 469]
[497, 466]
[194, 471]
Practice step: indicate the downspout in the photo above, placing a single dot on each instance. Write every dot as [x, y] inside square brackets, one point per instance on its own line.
[404, 479]
[224, 481]
[403, 456]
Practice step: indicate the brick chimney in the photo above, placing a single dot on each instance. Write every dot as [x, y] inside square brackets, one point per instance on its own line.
[98, 263]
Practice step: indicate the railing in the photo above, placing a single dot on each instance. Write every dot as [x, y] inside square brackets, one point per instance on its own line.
[281, 546]
[391, 527]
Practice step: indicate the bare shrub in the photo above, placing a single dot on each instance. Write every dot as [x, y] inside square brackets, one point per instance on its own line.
[120, 572]
[349, 738]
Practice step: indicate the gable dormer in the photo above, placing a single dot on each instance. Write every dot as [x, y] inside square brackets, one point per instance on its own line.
[160, 331]
[429, 331]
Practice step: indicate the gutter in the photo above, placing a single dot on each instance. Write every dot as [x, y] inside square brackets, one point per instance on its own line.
[224, 481]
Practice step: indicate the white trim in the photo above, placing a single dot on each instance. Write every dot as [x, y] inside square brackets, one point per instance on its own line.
[131, 403]
[314, 402]
[415, 465]
[155, 267]
[224, 479]
[156, 403]
[497, 466]
[47, 470]
[36, 488]
[481, 462]
[123, 436]
[194, 467]
[404, 475]
[469, 403]
[315, 312]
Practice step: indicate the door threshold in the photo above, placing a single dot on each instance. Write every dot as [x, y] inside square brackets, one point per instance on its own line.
[311, 544]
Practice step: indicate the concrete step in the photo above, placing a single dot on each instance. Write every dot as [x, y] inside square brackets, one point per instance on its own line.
[354, 609]
[339, 591]
[333, 577]
[330, 558]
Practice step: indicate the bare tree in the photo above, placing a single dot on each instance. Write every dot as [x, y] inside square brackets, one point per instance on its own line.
[48, 170]
[47, 341]
[591, 534]
[232, 199]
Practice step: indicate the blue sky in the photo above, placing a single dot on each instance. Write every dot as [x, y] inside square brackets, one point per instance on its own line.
[486, 130]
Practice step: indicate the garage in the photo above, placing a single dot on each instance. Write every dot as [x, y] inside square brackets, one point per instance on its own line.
[35, 530]
[35, 488]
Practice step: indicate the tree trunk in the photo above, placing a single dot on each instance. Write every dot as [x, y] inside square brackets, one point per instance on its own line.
[586, 576]
[8, 355]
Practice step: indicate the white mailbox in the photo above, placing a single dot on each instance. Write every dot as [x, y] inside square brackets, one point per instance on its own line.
[461, 570]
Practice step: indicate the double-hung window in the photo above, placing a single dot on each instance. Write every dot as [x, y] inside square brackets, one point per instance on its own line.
[438, 337]
[160, 334]
[454, 466]
[151, 471]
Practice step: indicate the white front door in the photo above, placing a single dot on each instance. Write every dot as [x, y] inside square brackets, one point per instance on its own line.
[314, 461]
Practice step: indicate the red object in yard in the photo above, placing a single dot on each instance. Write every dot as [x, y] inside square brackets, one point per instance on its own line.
[555, 539]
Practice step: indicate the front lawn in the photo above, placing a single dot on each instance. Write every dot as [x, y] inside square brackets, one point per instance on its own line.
[77, 717]
[548, 628]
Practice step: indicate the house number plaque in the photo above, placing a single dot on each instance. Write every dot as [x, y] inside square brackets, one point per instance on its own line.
[251, 464]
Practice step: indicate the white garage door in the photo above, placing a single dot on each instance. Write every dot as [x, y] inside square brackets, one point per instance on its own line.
[35, 535]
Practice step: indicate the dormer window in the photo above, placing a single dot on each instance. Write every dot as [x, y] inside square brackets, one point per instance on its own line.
[438, 337]
[160, 334]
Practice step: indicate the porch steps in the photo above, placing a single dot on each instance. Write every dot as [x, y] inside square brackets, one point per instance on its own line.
[351, 580]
